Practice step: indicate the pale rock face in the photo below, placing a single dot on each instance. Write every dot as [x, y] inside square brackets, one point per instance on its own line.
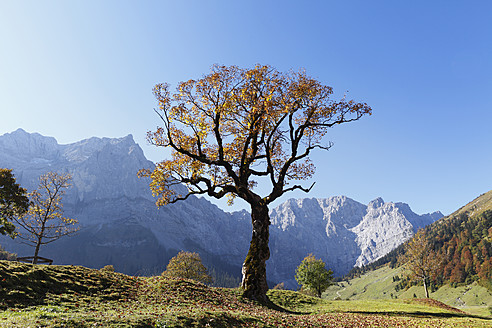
[116, 210]
[340, 231]
[25, 147]
[121, 224]
[381, 229]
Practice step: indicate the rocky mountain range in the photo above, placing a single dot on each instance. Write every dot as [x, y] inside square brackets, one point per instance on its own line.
[339, 230]
[121, 225]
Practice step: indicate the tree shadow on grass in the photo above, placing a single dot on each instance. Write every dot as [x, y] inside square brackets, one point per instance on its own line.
[273, 306]
[285, 301]
[422, 314]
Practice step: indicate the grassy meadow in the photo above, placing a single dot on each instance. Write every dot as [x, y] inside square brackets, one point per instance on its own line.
[380, 285]
[72, 296]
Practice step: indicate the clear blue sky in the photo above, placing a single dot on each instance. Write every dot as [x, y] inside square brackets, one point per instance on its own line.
[77, 69]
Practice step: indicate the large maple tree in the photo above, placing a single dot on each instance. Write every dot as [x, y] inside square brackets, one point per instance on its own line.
[234, 127]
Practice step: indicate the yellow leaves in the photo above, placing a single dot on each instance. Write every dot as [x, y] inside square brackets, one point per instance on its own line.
[230, 198]
[420, 258]
[187, 265]
[233, 119]
[44, 218]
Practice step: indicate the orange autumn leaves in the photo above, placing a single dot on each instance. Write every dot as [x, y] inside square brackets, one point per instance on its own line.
[235, 126]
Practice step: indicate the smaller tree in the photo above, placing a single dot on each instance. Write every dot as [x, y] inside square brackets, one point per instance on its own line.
[312, 274]
[421, 260]
[187, 265]
[13, 202]
[44, 221]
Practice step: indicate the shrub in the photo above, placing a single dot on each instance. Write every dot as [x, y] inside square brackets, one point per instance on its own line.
[108, 268]
[187, 265]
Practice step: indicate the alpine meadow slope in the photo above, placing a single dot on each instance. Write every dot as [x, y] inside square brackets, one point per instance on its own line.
[462, 240]
[121, 225]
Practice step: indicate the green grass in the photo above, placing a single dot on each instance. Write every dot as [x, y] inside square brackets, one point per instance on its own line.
[379, 285]
[474, 299]
[68, 296]
[477, 206]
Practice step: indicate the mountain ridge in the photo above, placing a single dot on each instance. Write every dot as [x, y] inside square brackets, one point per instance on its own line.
[463, 240]
[353, 234]
[112, 204]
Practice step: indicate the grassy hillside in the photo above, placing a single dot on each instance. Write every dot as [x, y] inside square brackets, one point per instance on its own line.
[68, 296]
[382, 284]
[479, 205]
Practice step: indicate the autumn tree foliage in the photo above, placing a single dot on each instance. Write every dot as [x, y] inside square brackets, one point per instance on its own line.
[466, 248]
[13, 202]
[421, 260]
[234, 127]
[44, 221]
[187, 265]
[313, 275]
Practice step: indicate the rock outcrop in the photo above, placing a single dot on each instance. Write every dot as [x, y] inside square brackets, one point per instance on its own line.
[342, 232]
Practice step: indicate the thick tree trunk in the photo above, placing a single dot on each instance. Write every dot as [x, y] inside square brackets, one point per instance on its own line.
[254, 281]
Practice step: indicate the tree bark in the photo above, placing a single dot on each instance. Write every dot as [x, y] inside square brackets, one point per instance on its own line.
[36, 252]
[425, 288]
[38, 245]
[254, 282]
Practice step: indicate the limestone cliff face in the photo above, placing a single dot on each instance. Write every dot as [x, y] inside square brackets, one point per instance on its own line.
[122, 226]
[120, 222]
[342, 232]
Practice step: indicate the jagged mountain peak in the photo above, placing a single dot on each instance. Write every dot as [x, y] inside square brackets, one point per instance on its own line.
[23, 146]
[84, 149]
[101, 167]
[339, 230]
[21, 135]
[28, 146]
[376, 203]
